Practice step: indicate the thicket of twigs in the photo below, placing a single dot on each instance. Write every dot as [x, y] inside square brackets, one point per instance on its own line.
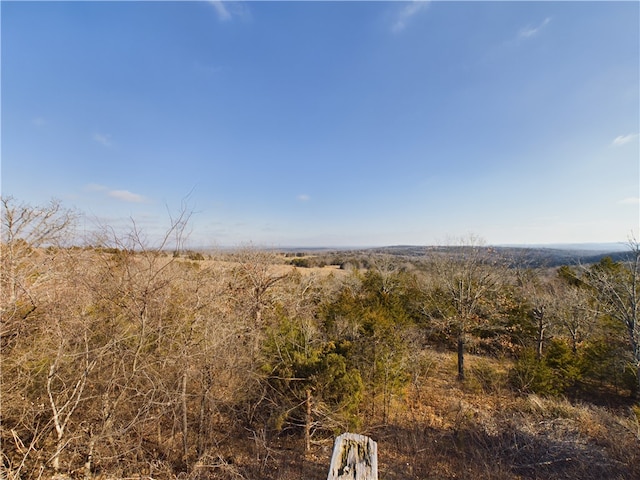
[124, 358]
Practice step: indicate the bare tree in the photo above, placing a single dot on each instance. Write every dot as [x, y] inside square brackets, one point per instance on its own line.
[617, 288]
[576, 314]
[464, 276]
[541, 295]
[255, 275]
[388, 269]
[30, 262]
[26, 231]
[64, 397]
[133, 284]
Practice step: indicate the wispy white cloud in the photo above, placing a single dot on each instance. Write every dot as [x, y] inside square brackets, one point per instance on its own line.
[102, 139]
[623, 139]
[406, 13]
[123, 195]
[630, 201]
[529, 31]
[126, 196]
[223, 12]
[303, 197]
[39, 122]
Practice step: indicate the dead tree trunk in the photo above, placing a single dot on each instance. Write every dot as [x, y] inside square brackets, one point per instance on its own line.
[355, 457]
[461, 347]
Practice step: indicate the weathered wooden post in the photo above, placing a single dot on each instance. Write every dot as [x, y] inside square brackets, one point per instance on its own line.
[355, 457]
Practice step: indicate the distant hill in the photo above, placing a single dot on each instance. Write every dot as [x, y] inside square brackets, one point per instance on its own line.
[592, 247]
[532, 256]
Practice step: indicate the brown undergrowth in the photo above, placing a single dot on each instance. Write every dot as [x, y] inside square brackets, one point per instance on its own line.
[444, 429]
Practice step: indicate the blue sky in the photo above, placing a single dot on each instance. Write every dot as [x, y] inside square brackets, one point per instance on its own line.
[329, 123]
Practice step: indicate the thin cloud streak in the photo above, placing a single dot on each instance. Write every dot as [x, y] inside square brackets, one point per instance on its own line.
[123, 195]
[630, 201]
[126, 196]
[528, 32]
[222, 11]
[623, 139]
[407, 13]
[102, 139]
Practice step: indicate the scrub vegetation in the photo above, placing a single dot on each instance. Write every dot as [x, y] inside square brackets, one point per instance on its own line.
[123, 358]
